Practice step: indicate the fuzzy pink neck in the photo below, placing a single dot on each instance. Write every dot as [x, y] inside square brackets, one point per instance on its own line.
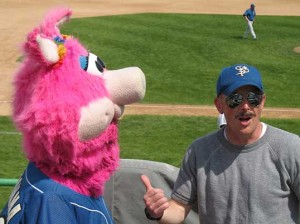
[90, 184]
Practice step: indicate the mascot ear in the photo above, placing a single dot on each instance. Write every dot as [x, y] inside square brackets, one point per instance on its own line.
[48, 49]
[42, 41]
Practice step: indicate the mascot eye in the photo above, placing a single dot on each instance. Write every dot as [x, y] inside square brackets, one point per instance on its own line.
[92, 64]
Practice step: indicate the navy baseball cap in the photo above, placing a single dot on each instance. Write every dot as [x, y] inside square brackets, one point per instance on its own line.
[236, 76]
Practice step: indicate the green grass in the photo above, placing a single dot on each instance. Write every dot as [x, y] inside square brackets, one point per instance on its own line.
[183, 54]
[158, 138]
[165, 138]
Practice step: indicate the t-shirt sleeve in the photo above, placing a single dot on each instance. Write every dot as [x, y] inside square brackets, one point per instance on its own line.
[48, 208]
[294, 168]
[185, 187]
[288, 152]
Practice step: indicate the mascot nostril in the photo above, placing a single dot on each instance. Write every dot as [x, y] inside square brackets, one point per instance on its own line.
[67, 104]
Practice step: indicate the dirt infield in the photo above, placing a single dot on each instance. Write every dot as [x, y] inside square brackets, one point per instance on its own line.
[18, 17]
[193, 110]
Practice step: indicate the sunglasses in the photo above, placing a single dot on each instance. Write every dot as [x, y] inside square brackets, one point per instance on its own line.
[235, 99]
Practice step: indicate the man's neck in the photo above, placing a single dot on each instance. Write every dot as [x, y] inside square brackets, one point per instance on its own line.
[237, 138]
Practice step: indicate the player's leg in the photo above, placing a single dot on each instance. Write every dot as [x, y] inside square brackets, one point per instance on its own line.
[246, 32]
[250, 25]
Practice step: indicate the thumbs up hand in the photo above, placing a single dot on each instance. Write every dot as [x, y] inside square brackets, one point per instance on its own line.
[154, 198]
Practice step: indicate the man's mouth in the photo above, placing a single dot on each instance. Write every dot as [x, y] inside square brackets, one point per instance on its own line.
[245, 117]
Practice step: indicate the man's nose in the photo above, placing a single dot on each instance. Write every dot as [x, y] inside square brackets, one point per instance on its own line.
[245, 105]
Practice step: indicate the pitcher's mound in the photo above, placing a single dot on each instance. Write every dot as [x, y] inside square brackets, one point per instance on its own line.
[297, 49]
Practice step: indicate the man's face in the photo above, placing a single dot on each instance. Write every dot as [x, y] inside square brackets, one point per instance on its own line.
[241, 110]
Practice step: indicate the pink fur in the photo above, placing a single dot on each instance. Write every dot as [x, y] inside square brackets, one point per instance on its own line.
[46, 108]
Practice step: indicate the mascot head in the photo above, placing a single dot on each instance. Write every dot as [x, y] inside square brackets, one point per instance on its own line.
[67, 103]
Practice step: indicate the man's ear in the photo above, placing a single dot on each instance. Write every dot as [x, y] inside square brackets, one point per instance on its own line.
[219, 105]
[263, 100]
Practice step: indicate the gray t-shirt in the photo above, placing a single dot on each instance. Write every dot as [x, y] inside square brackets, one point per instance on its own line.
[256, 183]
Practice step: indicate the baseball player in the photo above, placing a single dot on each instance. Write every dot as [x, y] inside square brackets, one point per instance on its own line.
[250, 17]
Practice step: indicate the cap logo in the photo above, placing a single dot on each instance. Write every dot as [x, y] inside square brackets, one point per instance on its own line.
[241, 70]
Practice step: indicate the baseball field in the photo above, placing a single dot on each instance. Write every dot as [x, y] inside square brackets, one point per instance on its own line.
[18, 17]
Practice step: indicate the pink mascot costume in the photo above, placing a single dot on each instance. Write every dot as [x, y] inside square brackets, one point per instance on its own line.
[66, 104]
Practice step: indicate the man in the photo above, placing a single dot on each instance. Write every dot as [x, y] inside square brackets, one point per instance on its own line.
[249, 15]
[245, 172]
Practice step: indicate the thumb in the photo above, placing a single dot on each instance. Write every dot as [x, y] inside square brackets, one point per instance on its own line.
[146, 182]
